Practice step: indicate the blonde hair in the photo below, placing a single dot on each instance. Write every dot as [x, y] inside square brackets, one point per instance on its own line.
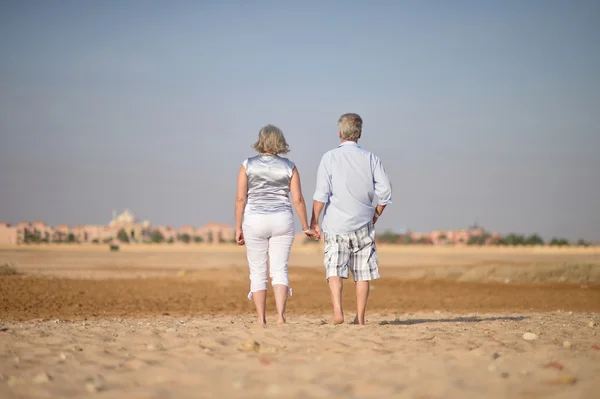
[271, 140]
[350, 126]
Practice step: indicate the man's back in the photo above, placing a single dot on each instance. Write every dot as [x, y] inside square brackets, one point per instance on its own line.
[348, 179]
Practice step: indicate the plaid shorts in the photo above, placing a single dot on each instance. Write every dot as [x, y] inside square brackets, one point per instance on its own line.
[355, 251]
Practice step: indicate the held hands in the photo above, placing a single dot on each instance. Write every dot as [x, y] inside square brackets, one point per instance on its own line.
[314, 232]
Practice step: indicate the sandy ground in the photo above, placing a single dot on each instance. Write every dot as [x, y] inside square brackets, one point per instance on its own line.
[177, 324]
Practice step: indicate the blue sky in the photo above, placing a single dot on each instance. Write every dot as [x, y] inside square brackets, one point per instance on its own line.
[480, 111]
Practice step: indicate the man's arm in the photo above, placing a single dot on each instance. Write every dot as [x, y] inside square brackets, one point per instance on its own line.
[316, 213]
[383, 187]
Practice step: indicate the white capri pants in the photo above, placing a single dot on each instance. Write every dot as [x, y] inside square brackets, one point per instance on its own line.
[268, 235]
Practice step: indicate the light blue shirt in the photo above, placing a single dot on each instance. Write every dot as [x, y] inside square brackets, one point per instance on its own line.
[348, 179]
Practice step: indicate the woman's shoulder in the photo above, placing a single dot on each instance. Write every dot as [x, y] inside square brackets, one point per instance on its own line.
[248, 160]
[288, 162]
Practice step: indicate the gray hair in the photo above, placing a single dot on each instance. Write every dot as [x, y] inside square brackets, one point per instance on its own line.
[350, 126]
[271, 140]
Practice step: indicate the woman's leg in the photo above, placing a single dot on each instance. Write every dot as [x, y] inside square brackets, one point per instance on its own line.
[256, 252]
[280, 246]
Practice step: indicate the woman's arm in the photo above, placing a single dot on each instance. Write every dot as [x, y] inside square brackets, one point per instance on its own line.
[298, 199]
[240, 203]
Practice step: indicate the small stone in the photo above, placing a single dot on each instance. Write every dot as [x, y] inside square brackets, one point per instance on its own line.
[239, 384]
[564, 380]
[62, 356]
[492, 367]
[151, 347]
[94, 383]
[273, 390]
[42, 378]
[77, 348]
[530, 336]
[592, 324]
[3, 328]
[495, 356]
[554, 365]
[251, 346]
[567, 345]
[504, 374]
[56, 321]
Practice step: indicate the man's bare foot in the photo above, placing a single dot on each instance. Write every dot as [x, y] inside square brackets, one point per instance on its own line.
[281, 320]
[337, 320]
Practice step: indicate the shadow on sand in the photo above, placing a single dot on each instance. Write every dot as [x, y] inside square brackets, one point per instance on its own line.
[409, 322]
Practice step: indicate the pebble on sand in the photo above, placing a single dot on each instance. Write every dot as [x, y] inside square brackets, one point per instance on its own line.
[592, 324]
[42, 378]
[529, 336]
[94, 383]
[251, 346]
[567, 345]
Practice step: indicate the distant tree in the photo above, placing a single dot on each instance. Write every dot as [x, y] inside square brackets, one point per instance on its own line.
[185, 237]
[512, 239]
[122, 236]
[388, 237]
[71, 238]
[198, 239]
[171, 240]
[559, 242]
[156, 237]
[406, 239]
[534, 239]
[583, 243]
[424, 240]
[209, 237]
[107, 240]
[220, 238]
[95, 241]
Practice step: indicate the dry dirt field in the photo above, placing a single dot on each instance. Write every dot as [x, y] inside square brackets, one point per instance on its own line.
[174, 322]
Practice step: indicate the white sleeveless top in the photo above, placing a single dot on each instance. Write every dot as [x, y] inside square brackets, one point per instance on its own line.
[269, 179]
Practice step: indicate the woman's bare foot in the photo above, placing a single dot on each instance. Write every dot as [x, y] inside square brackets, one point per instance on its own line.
[281, 320]
[357, 322]
[337, 319]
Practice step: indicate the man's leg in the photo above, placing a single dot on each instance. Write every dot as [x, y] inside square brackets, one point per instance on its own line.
[336, 268]
[335, 287]
[364, 265]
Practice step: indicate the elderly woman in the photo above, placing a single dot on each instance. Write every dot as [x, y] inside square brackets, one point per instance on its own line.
[264, 218]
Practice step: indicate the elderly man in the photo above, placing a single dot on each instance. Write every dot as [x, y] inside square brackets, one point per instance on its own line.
[348, 179]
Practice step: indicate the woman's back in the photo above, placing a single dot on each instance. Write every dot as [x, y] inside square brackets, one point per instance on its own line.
[268, 184]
